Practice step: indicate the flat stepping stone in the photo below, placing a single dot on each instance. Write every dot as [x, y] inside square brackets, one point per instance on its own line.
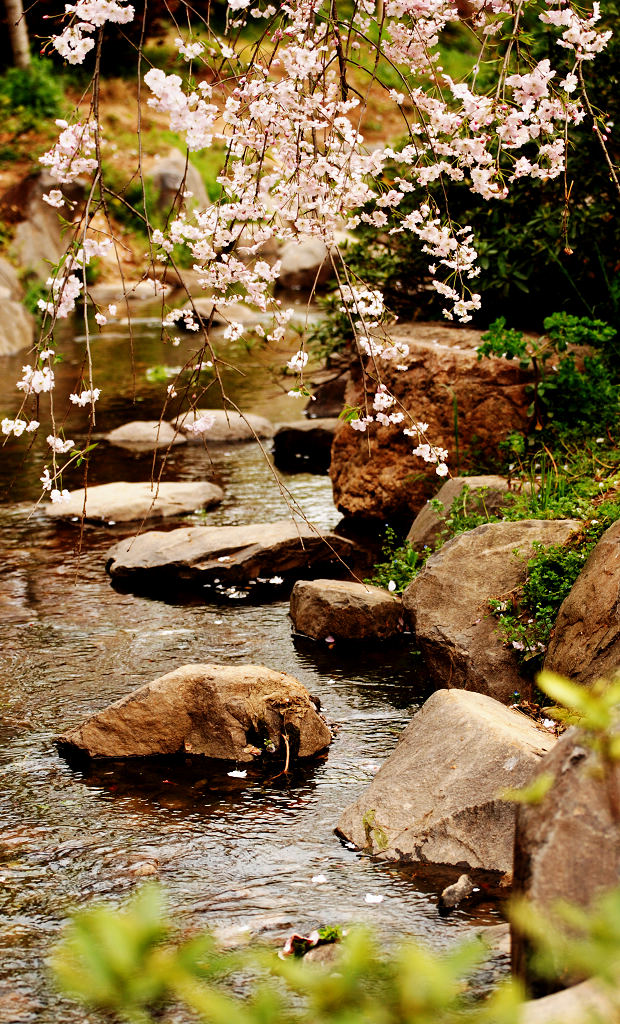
[145, 435]
[125, 502]
[266, 552]
[222, 426]
[217, 711]
[345, 610]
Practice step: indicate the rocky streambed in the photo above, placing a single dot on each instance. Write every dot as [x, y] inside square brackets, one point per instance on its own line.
[236, 852]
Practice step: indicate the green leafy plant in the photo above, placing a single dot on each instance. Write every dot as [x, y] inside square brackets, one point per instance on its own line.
[400, 564]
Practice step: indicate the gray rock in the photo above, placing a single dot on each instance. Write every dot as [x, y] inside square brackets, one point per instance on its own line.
[9, 281]
[38, 242]
[145, 435]
[231, 554]
[123, 502]
[437, 798]
[304, 265]
[168, 174]
[344, 610]
[587, 1003]
[489, 494]
[447, 604]
[568, 846]
[305, 445]
[17, 327]
[586, 639]
[229, 712]
[221, 316]
[227, 426]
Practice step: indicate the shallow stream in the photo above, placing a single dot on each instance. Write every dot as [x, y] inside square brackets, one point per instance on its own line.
[229, 852]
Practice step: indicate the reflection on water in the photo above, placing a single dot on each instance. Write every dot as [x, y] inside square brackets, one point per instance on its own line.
[230, 852]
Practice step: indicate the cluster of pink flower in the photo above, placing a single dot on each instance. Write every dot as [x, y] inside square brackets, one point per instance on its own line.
[297, 164]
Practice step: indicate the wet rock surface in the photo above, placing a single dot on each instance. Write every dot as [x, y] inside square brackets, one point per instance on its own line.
[145, 435]
[232, 554]
[374, 474]
[305, 446]
[123, 502]
[447, 604]
[344, 610]
[232, 713]
[486, 494]
[586, 638]
[437, 798]
[224, 426]
[567, 847]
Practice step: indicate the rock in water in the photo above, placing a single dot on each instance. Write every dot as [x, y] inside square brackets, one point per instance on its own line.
[229, 712]
[586, 639]
[123, 502]
[145, 435]
[567, 847]
[437, 799]
[448, 604]
[344, 610]
[223, 426]
[304, 446]
[230, 554]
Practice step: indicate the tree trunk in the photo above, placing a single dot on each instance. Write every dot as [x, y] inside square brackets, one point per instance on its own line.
[18, 32]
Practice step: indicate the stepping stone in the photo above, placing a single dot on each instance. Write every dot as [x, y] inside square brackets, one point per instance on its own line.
[222, 426]
[145, 435]
[345, 610]
[265, 552]
[123, 502]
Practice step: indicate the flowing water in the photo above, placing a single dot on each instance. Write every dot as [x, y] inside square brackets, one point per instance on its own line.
[229, 852]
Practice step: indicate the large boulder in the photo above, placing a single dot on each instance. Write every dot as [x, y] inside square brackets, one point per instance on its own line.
[438, 797]
[485, 494]
[344, 610]
[17, 327]
[586, 640]
[172, 175]
[224, 426]
[226, 554]
[38, 241]
[145, 435]
[230, 712]
[448, 604]
[10, 288]
[444, 380]
[567, 847]
[304, 446]
[304, 265]
[123, 502]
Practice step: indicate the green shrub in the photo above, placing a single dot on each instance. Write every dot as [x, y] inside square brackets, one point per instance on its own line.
[400, 564]
[32, 94]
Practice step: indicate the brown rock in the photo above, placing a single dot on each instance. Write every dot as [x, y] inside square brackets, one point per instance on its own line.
[145, 435]
[344, 610]
[587, 1003]
[586, 639]
[447, 604]
[437, 798]
[232, 554]
[123, 502]
[304, 265]
[17, 327]
[387, 480]
[220, 711]
[567, 848]
[487, 494]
